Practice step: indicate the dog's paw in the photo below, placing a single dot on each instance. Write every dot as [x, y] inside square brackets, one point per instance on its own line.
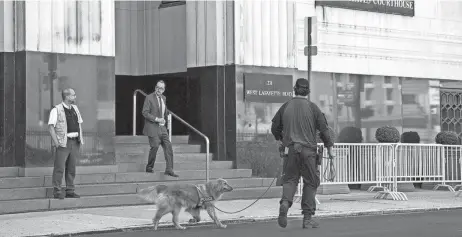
[223, 226]
[181, 227]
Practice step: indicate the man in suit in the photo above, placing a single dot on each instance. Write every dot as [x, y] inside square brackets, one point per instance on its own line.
[155, 121]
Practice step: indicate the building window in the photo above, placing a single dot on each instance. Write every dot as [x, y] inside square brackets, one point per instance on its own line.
[369, 93]
[387, 80]
[389, 94]
[390, 109]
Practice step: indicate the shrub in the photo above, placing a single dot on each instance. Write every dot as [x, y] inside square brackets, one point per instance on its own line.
[410, 137]
[350, 135]
[261, 155]
[447, 138]
[387, 134]
[331, 134]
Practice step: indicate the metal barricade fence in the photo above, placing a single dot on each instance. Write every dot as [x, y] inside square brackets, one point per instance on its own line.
[388, 165]
[419, 163]
[452, 167]
[429, 163]
[361, 163]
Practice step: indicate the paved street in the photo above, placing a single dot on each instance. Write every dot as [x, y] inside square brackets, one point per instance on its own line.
[430, 224]
[94, 220]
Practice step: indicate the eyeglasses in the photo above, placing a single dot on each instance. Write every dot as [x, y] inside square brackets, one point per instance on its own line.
[160, 88]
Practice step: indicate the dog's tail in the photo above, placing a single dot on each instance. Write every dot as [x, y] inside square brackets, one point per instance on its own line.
[151, 194]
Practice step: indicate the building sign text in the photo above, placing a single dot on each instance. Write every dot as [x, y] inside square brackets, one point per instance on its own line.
[397, 7]
[267, 88]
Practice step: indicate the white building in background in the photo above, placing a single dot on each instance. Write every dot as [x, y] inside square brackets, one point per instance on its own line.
[399, 64]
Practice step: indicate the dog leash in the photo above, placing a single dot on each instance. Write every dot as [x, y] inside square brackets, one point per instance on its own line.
[258, 199]
[329, 171]
[329, 175]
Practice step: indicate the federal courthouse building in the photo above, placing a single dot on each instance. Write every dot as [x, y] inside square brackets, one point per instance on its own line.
[228, 67]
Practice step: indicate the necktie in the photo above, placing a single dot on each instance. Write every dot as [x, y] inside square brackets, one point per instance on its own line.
[161, 109]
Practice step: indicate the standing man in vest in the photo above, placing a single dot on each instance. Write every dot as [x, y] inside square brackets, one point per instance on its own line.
[155, 120]
[65, 126]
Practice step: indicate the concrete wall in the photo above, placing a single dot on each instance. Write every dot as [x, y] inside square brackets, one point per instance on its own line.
[71, 27]
[149, 40]
[156, 39]
[265, 33]
[6, 26]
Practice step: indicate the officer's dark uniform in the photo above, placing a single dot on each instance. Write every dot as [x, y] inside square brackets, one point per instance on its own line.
[295, 124]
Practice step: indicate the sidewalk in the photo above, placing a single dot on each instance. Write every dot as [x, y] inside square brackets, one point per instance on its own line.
[129, 217]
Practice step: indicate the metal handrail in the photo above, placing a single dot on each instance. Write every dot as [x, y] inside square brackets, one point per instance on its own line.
[170, 114]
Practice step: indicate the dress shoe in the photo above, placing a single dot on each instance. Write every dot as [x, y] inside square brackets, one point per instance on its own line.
[170, 173]
[58, 196]
[72, 195]
[149, 171]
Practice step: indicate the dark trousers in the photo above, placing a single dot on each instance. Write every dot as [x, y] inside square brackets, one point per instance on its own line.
[154, 142]
[301, 161]
[65, 162]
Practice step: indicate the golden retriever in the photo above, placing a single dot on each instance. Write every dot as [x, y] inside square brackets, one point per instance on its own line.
[171, 198]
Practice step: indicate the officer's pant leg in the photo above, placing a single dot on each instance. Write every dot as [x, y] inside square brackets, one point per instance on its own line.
[290, 176]
[311, 181]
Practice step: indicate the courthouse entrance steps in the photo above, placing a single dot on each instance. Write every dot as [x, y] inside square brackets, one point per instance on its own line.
[36, 192]
[116, 185]
[46, 204]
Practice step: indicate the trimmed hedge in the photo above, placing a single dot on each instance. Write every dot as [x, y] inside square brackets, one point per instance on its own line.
[387, 134]
[410, 137]
[261, 155]
[447, 138]
[350, 135]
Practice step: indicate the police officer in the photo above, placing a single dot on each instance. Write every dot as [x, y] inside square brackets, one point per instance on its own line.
[295, 125]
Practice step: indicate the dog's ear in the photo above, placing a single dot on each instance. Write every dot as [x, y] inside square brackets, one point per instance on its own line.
[220, 184]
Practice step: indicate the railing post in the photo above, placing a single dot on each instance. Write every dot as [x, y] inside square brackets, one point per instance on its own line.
[134, 114]
[207, 162]
[443, 163]
[207, 144]
[395, 169]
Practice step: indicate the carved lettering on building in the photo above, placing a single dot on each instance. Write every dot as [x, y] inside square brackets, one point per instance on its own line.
[269, 93]
[394, 3]
[267, 88]
[398, 7]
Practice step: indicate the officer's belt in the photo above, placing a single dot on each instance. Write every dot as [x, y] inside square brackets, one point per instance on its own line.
[309, 146]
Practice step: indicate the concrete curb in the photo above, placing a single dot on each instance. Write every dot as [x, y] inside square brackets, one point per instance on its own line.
[168, 226]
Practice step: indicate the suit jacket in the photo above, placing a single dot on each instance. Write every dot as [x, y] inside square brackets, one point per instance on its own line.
[151, 110]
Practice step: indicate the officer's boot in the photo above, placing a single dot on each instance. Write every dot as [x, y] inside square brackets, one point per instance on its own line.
[308, 221]
[283, 209]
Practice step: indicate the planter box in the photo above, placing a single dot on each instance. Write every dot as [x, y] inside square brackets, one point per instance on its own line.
[327, 189]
